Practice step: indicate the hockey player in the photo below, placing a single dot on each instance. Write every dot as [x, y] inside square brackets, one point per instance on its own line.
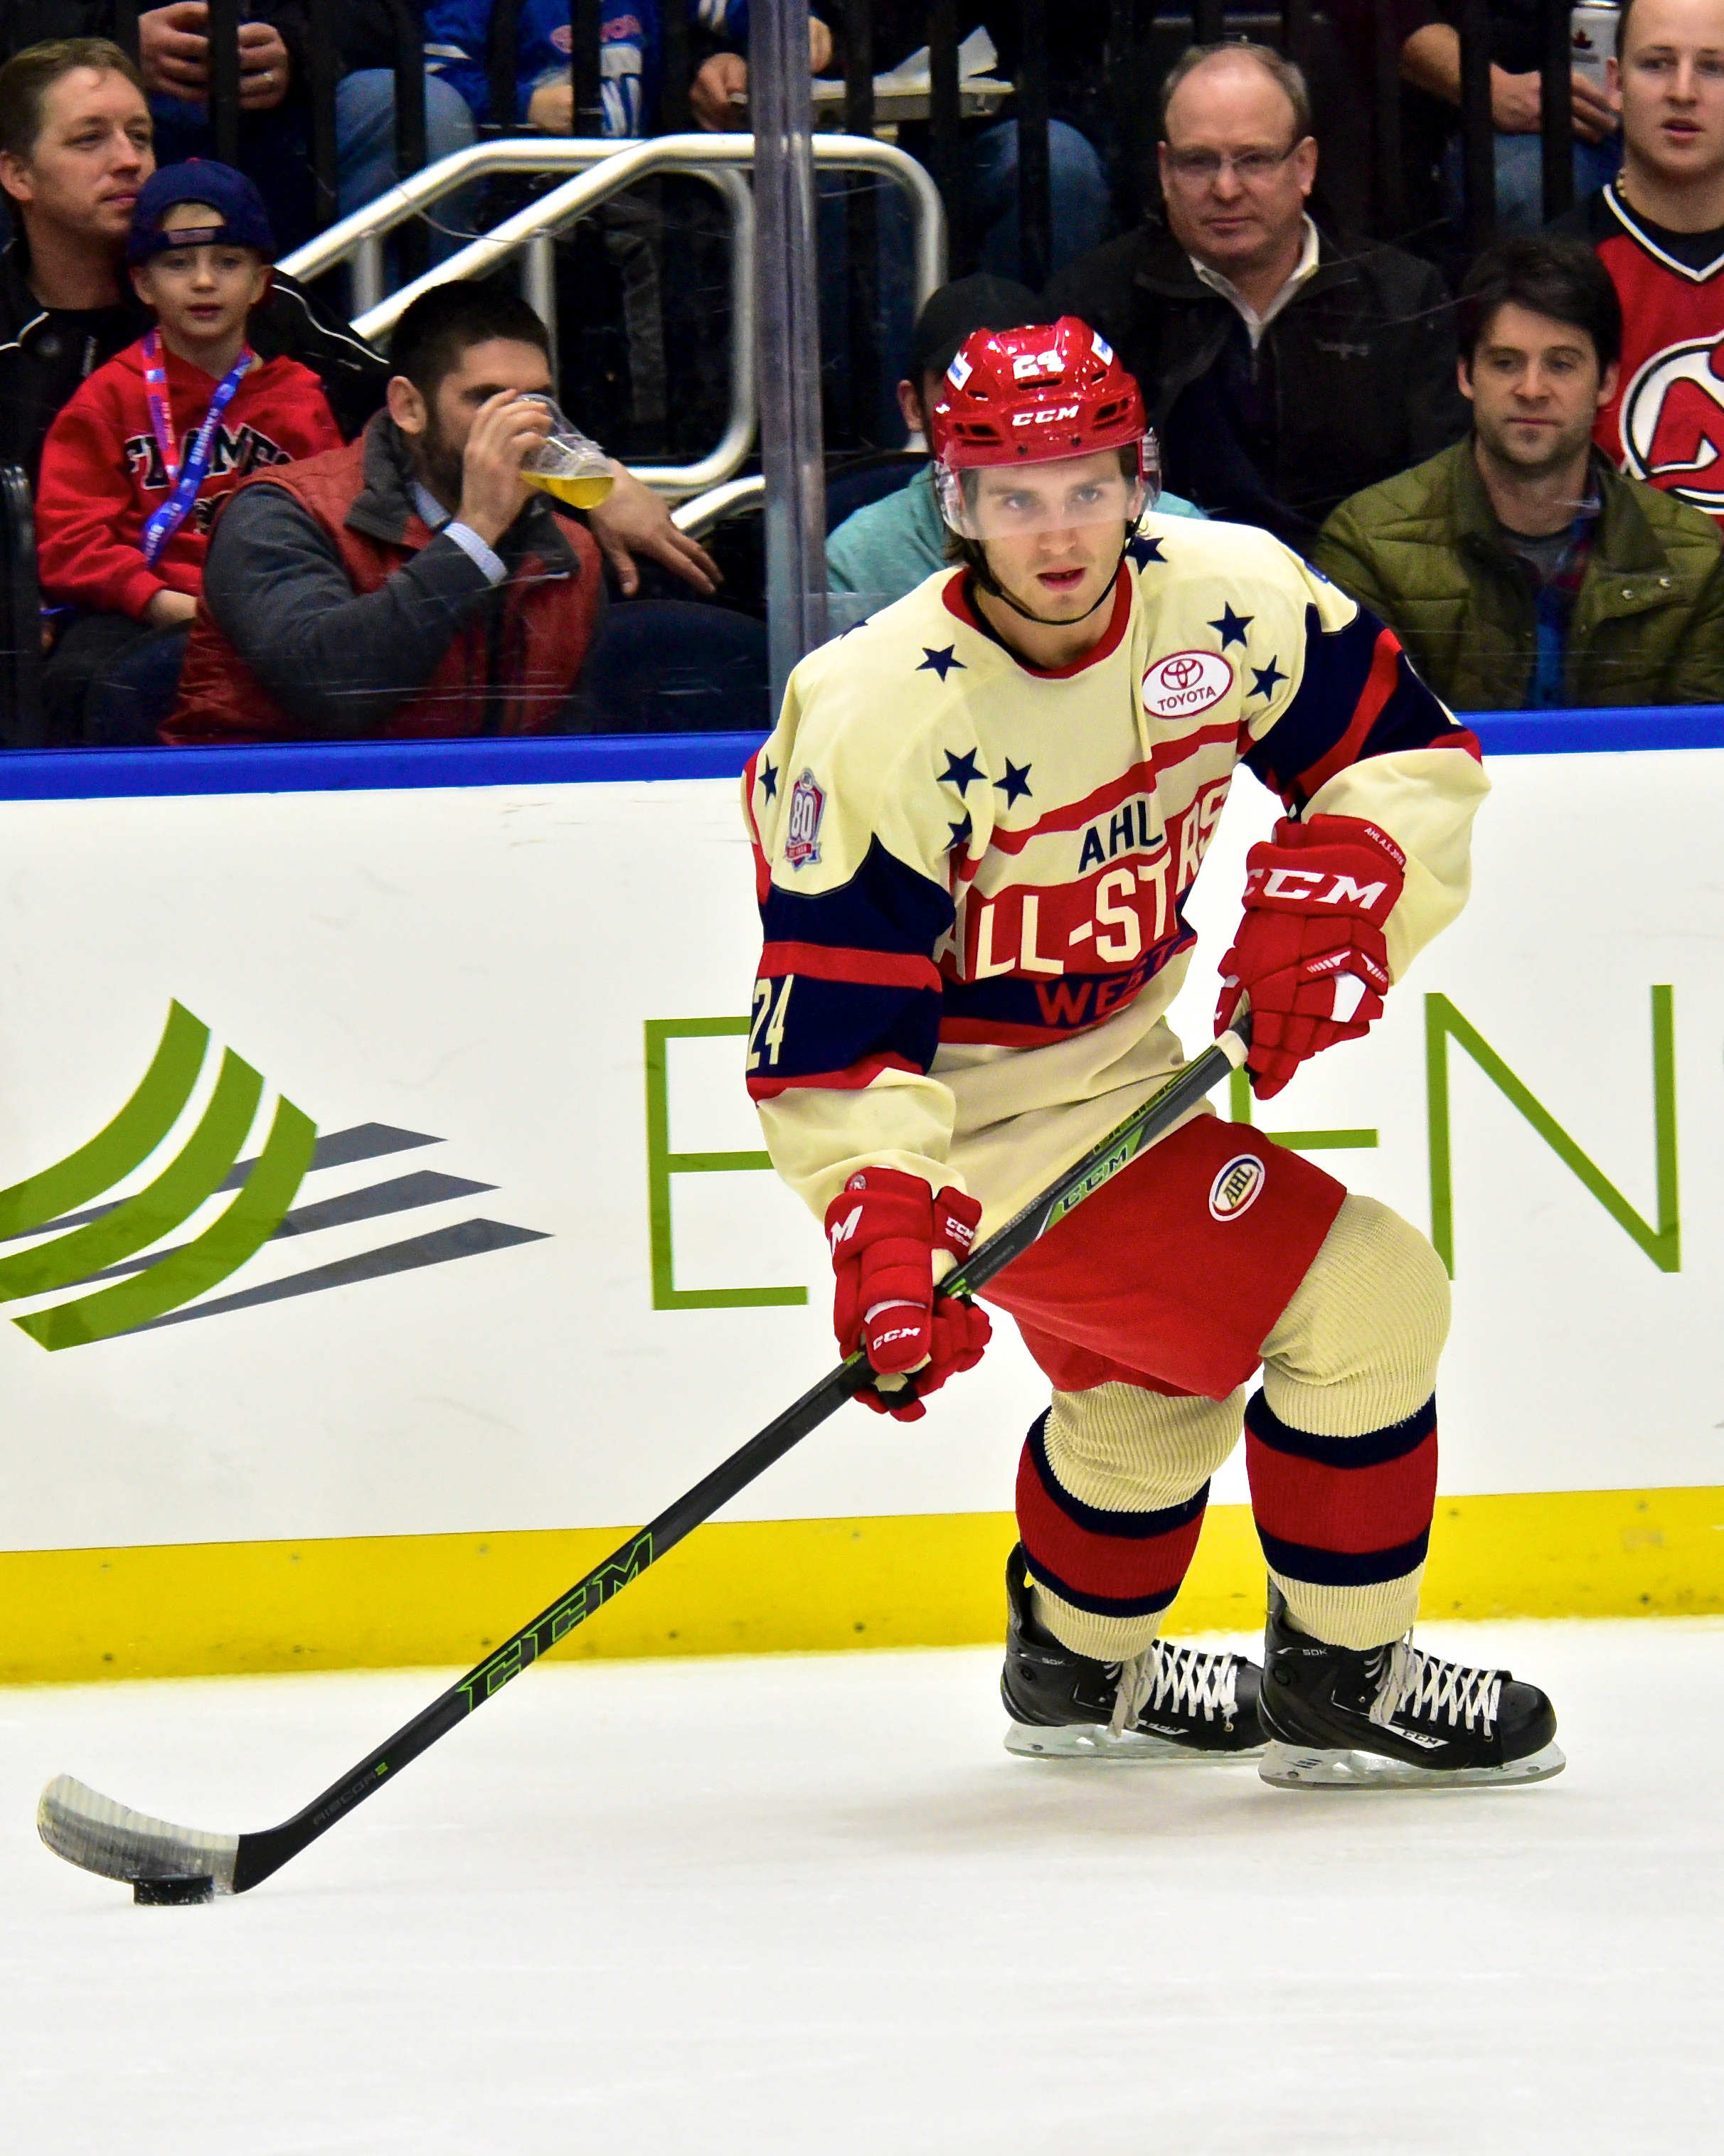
[976, 826]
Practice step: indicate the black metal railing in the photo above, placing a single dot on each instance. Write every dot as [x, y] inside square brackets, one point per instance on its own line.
[1141, 41]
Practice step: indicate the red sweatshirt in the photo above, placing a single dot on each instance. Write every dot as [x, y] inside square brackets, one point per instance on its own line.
[102, 474]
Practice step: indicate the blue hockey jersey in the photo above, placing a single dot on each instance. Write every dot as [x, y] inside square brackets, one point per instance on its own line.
[631, 33]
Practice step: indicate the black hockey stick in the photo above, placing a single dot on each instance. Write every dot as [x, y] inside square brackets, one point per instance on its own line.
[168, 1863]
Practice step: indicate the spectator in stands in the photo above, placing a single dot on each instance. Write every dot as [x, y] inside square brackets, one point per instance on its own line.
[1430, 59]
[136, 464]
[75, 148]
[891, 546]
[1520, 567]
[413, 582]
[365, 115]
[1659, 229]
[631, 39]
[631, 44]
[1077, 183]
[1283, 369]
[174, 59]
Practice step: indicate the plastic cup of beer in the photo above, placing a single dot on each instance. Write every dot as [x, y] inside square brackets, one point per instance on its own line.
[567, 463]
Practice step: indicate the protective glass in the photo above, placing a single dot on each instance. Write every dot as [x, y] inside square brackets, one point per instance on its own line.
[568, 463]
[1015, 502]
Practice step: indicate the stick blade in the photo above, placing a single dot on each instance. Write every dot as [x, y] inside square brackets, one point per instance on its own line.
[93, 1832]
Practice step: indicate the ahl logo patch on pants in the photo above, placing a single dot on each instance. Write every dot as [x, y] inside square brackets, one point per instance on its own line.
[1237, 1186]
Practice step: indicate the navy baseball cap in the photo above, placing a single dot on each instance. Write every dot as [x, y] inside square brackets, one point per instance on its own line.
[241, 219]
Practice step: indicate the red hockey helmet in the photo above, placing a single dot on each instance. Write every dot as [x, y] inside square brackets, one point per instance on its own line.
[1037, 396]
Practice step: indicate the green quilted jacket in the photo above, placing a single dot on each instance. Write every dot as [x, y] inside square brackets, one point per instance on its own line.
[1423, 551]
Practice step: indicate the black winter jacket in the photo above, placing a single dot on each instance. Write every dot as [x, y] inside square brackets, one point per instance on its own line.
[1353, 380]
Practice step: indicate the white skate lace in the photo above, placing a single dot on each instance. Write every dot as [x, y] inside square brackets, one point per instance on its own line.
[1174, 1679]
[1429, 1688]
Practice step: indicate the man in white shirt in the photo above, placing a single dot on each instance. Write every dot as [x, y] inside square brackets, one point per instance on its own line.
[1283, 367]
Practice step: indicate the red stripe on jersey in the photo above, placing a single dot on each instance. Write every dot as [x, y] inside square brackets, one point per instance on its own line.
[826, 962]
[1463, 737]
[1379, 687]
[1140, 778]
[852, 1081]
[957, 599]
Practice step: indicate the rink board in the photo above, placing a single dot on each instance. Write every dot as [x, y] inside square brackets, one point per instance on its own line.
[535, 1279]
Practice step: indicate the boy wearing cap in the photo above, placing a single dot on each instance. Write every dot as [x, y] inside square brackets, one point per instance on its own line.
[137, 463]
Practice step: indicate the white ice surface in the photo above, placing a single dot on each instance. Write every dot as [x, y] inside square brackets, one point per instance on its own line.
[810, 1906]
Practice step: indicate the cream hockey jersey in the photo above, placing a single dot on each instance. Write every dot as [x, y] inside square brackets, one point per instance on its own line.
[972, 873]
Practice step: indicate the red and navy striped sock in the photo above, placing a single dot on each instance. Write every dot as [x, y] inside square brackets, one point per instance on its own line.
[1109, 1564]
[1345, 1522]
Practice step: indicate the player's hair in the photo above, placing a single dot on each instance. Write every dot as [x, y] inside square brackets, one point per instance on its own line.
[27, 76]
[1624, 7]
[1287, 78]
[1562, 278]
[448, 321]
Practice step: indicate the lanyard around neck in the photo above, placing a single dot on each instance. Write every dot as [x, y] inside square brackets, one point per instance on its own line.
[165, 520]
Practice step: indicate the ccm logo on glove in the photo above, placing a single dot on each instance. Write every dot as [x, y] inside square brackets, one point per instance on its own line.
[1310, 952]
[883, 1229]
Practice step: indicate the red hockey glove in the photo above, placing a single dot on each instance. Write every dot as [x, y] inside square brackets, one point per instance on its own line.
[1309, 953]
[883, 1229]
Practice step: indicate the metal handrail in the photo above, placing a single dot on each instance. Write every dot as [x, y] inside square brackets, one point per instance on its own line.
[691, 153]
[698, 516]
[718, 159]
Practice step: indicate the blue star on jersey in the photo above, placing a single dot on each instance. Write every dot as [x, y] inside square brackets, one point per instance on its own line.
[768, 778]
[1265, 679]
[940, 662]
[1232, 627]
[1141, 549]
[1016, 781]
[961, 771]
[960, 832]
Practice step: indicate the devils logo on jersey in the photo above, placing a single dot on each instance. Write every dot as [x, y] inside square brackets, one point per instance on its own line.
[1672, 422]
[1665, 422]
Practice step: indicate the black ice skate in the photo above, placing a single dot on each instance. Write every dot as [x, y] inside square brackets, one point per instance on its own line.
[1393, 1717]
[1170, 1703]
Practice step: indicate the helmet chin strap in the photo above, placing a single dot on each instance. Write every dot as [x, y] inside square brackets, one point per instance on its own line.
[991, 584]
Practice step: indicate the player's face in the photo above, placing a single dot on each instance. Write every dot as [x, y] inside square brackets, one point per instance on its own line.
[92, 155]
[1671, 83]
[201, 294]
[1536, 389]
[1235, 172]
[1053, 531]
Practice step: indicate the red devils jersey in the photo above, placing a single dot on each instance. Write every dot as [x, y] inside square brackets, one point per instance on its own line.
[1666, 423]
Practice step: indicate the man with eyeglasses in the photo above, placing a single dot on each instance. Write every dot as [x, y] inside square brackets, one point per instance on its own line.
[1283, 369]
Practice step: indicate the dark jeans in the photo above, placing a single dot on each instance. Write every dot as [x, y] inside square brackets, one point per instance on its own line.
[110, 682]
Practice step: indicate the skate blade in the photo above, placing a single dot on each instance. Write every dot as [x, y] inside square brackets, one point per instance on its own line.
[1304, 1766]
[1134, 1748]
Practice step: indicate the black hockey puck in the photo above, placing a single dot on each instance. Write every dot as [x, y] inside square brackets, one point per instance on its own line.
[171, 1894]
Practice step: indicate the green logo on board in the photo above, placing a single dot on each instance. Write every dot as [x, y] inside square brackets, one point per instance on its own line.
[107, 1251]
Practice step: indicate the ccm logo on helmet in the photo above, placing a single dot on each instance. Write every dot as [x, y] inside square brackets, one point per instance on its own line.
[1235, 1189]
[1044, 418]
